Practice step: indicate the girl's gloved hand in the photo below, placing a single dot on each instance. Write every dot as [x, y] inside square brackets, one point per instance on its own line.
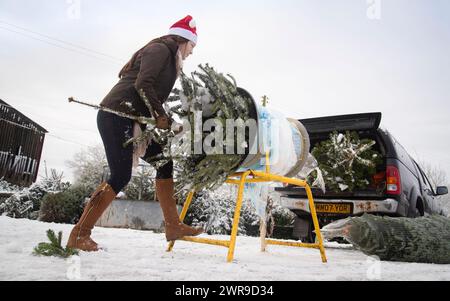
[162, 122]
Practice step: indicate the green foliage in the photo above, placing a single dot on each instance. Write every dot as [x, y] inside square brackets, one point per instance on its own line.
[217, 94]
[54, 248]
[64, 207]
[346, 161]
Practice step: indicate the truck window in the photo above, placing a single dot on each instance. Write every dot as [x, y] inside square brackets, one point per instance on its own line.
[419, 170]
[424, 177]
[403, 155]
[428, 182]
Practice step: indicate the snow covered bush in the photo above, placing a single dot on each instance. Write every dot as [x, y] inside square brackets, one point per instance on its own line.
[18, 206]
[215, 212]
[64, 207]
[8, 187]
[282, 216]
[280, 222]
[26, 202]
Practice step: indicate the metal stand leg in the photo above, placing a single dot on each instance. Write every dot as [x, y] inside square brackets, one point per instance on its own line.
[312, 208]
[237, 215]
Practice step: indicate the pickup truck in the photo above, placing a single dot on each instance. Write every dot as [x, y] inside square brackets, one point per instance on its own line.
[405, 189]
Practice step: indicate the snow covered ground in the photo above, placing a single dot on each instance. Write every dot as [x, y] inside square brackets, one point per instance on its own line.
[140, 255]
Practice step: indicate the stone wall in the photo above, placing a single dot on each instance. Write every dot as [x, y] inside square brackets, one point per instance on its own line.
[138, 215]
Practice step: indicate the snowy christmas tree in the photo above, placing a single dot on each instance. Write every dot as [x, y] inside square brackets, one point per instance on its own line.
[347, 162]
[206, 95]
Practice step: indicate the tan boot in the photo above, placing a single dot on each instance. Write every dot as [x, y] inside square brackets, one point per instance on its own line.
[174, 228]
[80, 237]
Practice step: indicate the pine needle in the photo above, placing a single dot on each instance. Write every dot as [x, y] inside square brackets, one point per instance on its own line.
[54, 248]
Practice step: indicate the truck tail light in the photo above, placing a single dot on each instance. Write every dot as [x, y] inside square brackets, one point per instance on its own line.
[393, 182]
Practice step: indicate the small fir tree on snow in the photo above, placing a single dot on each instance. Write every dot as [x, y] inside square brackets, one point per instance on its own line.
[54, 247]
[346, 162]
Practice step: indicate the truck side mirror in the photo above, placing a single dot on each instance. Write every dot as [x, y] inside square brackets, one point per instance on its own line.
[441, 190]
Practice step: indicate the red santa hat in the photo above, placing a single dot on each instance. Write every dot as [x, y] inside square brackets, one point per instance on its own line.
[185, 28]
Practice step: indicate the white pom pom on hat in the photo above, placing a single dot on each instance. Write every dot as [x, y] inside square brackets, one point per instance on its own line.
[186, 28]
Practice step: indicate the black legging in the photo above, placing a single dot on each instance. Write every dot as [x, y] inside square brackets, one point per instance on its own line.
[116, 130]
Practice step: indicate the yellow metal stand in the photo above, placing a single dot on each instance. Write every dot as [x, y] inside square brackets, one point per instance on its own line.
[256, 177]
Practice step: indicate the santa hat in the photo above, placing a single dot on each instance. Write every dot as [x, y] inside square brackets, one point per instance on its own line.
[185, 28]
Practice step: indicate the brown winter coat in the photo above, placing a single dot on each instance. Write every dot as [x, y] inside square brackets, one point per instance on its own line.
[154, 71]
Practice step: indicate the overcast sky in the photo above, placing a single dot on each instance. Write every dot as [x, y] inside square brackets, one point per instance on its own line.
[311, 58]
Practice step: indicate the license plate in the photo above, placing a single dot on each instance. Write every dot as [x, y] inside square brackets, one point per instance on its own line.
[334, 208]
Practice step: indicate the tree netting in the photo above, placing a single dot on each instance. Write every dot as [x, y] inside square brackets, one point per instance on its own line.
[424, 239]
